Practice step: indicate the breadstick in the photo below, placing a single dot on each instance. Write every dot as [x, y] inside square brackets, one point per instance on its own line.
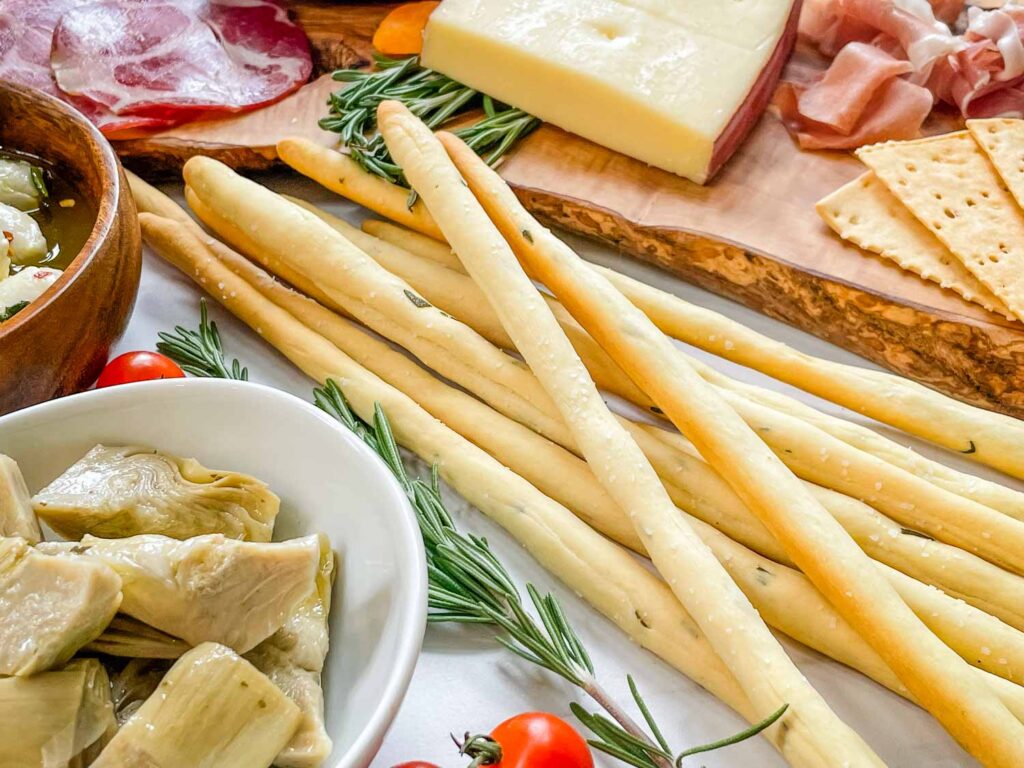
[985, 492]
[937, 677]
[981, 435]
[417, 243]
[571, 483]
[726, 617]
[341, 174]
[609, 578]
[279, 234]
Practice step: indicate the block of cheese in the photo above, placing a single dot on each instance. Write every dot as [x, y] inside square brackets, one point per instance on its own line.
[674, 83]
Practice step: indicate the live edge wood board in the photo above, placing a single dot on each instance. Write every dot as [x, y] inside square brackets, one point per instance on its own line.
[751, 234]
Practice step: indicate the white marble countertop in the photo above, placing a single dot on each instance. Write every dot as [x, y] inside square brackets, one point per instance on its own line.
[465, 681]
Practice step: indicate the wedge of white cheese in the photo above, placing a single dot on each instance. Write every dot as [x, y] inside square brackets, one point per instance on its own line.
[675, 83]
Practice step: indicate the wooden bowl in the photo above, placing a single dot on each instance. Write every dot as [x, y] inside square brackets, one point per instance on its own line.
[59, 343]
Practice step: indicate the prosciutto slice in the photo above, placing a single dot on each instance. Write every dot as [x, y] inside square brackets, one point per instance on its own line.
[167, 60]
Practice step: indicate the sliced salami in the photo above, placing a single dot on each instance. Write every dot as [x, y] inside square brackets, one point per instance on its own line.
[166, 60]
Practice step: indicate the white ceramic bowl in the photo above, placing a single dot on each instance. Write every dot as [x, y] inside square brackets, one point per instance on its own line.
[328, 480]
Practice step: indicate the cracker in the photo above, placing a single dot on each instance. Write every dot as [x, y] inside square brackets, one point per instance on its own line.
[1002, 139]
[867, 214]
[948, 183]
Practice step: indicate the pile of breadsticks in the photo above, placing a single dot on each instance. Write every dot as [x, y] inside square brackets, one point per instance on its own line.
[759, 512]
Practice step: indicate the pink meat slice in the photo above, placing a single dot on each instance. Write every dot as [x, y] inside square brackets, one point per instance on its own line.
[26, 33]
[839, 99]
[172, 60]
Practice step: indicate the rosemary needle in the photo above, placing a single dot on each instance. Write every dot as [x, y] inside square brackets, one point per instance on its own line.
[467, 584]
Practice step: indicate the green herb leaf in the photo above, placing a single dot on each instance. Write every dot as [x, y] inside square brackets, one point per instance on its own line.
[200, 352]
[38, 177]
[12, 310]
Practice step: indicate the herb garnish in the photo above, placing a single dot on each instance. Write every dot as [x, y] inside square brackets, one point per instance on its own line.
[12, 310]
[467, 584]
[435, 98]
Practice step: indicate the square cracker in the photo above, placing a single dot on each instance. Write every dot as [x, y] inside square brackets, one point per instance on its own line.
[1002, 139]
[949, 185]
[868, 215]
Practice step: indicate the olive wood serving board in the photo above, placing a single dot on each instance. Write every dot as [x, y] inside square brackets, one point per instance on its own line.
[751, 234]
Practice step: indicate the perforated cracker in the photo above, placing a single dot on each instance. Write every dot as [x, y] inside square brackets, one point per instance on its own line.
[868, 215]
[949, 185]
[1002, 139]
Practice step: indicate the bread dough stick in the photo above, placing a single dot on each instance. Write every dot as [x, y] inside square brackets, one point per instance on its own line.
[570, 480]
[983, 436]
[937, 677]
[341, 174]
[278, 233]
[421, 244]
[989, 494]
[457, 294]
[730, 623]
[607, 576]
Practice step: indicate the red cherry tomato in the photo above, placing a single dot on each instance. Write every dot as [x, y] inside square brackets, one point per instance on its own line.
[138, 366]
[416, 764]
[540, 740]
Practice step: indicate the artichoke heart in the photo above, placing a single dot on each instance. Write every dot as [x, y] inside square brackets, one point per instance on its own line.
[207, 588]
[213, 709]
[128, 637]
[16, 515]
[56, 719]
[50, 606]
[293, 658]
[116, 492]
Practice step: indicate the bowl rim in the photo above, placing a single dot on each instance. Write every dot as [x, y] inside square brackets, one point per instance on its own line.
[412, 599]
[106, 208]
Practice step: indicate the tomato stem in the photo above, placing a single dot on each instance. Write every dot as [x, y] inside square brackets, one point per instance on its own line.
[483, 749]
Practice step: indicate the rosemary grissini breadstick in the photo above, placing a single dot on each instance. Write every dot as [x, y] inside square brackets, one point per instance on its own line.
[732, 626]
[280, 234]
[341, 174]
[604, 574]
[940, 680]
[420, 244]
[987, 493]
[571, 483]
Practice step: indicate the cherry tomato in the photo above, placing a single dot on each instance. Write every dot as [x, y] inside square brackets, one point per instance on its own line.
[416, 764]
[138, 366]
[540, 740]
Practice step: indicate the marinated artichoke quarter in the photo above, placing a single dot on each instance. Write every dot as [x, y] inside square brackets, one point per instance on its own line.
[213, 709]
[121, 491]
[59, 718]
[207, 588]
[50, 606]
[293, 659]
[16, 515]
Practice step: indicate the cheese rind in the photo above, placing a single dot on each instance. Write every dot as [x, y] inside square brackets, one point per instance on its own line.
[655, 80]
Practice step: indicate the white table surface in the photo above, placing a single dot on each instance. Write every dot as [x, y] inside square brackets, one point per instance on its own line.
[465, 681]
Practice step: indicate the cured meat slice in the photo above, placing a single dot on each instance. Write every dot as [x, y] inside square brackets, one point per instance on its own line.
[26, 32]
[168, 60]
[838, 100]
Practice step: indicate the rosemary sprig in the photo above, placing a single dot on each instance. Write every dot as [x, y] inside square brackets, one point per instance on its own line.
[200, 352]
[467, 584]
[435, 98]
